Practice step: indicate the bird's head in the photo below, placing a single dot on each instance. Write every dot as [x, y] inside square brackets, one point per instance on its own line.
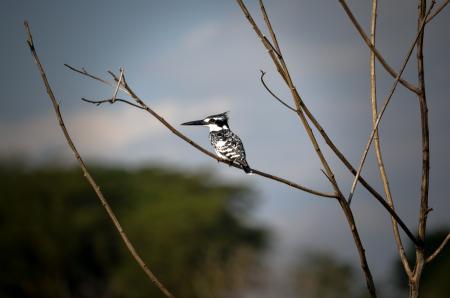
[214, 122]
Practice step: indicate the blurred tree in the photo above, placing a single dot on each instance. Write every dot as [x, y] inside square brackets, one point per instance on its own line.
[57, 241]
[436, 276]
[321, 275]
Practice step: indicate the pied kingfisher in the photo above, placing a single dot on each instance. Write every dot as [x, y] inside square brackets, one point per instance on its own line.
[226, 144]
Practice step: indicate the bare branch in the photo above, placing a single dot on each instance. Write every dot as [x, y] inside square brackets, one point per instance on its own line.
[87, 175]
[323, 172]
[437, 10]
[270, 48]
[439, 249]
[277, 49]
[143, 106]
[362, 256]
[263, 73]
[343, 159]
[284, 72]
[84, 72]
[111, 101]
[377, 146]
[118, 85]
[269, 26]
[414, 280]
[349, 166]
[376, 195]
[383, 109]
[380, 58]
[425, 134]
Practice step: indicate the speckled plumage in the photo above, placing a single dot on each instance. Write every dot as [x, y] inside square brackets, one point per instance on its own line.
[229, 146]
[226, 144]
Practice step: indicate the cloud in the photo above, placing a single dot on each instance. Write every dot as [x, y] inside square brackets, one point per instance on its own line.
[104, 132]
[200, 36]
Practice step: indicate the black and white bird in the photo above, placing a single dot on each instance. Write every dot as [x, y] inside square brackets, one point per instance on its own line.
[226, 144]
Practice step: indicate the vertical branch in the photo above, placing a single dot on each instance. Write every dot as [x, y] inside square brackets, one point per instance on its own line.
[386, 102]
[425, 128]
[88, 176]
[282, 68]
[377, 146]
[423, 211]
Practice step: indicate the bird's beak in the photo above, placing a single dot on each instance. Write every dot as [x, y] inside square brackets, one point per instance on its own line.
[196, 122]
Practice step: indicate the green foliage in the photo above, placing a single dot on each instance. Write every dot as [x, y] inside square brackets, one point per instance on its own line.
[57, 241]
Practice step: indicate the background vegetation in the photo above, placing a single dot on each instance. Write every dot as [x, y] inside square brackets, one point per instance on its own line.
[58, 242]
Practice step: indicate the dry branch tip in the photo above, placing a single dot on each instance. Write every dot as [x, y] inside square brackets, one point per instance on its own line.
[86, 173]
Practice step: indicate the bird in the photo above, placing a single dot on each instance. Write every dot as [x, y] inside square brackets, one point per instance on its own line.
[226, 144]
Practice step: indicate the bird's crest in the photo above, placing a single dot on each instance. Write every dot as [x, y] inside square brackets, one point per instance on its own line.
[221, 116]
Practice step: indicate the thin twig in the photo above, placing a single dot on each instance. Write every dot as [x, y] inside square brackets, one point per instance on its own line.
[111, 101]
[84, 72]
[376, 195]
[333, 147]
[349, 166]
[87, 175]
[377, 146]
[269, 26]
[361, 251]
[118, 85]
[272, 47]
[265, 42]
[323, 172]
[263, 73]
[439, 249]
[383, 109]
[437, 10]
[284, 72]
[275, 41]
[380, 58]
[143, 106]
[414, 280]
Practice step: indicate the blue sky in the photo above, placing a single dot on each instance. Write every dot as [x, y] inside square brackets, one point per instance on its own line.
[189, 59]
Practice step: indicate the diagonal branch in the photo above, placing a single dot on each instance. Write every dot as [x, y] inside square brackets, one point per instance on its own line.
[437, 10]
[380, 58]
[284, 72]
[119, 82]
[347, 164]
[142, 105]
[439, 249]
[87, 175]
[84, 72]
[385, 104]
[269, 26]
[377, 146]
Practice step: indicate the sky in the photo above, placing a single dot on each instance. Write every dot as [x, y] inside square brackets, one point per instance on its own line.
[190, 59]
